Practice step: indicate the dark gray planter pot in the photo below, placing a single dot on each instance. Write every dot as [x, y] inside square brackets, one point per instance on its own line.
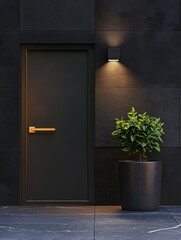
[140, 185]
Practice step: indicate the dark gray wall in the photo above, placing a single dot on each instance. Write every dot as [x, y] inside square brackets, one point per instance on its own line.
[32, 22]
[148, 77]
[9, 101]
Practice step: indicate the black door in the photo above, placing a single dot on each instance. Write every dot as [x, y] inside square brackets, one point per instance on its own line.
[57, 137]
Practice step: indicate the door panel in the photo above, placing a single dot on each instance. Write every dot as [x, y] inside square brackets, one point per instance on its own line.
[56, 165]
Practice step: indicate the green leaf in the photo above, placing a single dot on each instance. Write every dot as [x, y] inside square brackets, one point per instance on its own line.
[123, 136]
[139, 133]
[144, 128]
[143, 144]
[132, 138]
[157, 148]
[125, 149]
[115, 133]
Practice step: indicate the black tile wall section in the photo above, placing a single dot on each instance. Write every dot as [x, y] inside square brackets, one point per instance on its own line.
[9, 115]
[180, 120]
[171, 180]
[10, 15]
[159, 102]
[9, 175]
[57, 37]
[57, 15]
[147, 77]
[106, 176]
[154, 57]
[9, 59]
[137, 15]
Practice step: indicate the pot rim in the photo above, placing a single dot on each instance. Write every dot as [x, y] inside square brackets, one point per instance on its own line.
[139, 162]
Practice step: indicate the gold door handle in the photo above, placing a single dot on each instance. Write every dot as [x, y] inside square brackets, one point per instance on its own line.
[33, 129]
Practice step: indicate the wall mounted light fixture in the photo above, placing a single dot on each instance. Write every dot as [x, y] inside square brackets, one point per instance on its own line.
[113, 54]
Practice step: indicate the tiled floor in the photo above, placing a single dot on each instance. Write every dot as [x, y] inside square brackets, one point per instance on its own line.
[88, 223]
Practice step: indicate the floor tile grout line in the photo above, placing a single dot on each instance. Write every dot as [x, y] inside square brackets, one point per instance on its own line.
[167, 228]
[172, 216]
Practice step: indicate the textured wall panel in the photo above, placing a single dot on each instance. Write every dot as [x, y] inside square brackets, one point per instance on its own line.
[9, 59]
[180, 120]
[10, 14]
[159, 102]
[9, 117]
[171, 172]
[154, 57]
[57, 15]
[106, 176]
[57, 37]
[9, 175]
[137, 15]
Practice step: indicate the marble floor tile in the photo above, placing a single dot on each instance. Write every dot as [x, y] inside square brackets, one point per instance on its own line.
[116, 224]
[88, 223]
[175, 212]
[47, 223]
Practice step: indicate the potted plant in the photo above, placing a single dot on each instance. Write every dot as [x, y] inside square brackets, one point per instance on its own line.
[140, 180]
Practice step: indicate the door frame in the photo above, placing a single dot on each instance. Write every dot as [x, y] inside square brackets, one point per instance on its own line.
[90, 112]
